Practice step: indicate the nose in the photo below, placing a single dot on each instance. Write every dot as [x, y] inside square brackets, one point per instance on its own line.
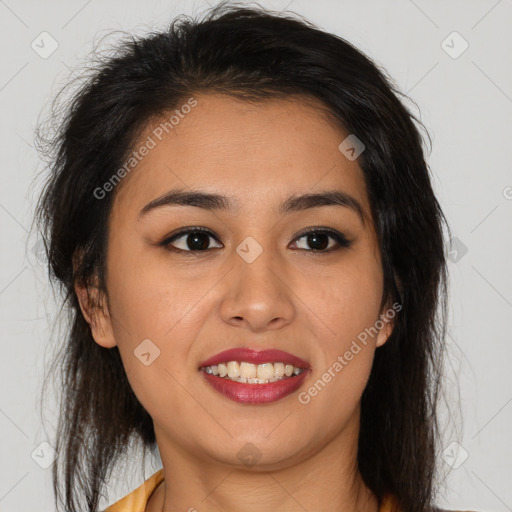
[258, 296]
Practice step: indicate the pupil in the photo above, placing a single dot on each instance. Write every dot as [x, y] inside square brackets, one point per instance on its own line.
[313, 241]
[196, 244]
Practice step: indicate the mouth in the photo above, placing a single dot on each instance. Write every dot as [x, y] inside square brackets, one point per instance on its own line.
[255, 377]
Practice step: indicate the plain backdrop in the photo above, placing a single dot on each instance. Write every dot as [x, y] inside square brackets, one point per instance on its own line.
[451, 57]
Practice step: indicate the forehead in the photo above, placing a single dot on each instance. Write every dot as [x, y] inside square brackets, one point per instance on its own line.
[258, 152]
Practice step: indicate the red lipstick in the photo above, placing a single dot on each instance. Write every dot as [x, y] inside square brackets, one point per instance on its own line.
[255, 393]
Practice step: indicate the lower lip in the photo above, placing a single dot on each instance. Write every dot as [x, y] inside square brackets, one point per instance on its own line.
[255, 393]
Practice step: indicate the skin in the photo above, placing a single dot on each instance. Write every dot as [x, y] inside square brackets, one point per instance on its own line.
[310, 303]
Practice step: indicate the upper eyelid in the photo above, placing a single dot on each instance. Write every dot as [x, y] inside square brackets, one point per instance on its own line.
[206, 231]
[187, 231]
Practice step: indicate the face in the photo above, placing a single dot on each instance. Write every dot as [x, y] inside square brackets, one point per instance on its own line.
[253, 278]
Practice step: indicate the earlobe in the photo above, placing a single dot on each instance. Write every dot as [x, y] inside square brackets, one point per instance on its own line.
[387, 316]
[386, 324]
[95, 311]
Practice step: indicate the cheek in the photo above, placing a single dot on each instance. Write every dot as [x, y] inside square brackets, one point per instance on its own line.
[149, 295]
[345, 308]
[156, 330]
[152, 300]
[333, 397]
[344, 303]
[346, 349]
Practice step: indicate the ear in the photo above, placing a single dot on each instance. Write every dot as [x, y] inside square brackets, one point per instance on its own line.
[94, 307]
[386, 322]
[387, 315]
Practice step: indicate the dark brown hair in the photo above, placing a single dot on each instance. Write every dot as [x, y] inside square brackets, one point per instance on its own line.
[254, 54]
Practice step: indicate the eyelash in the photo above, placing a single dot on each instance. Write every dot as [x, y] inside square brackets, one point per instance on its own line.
[340, 238]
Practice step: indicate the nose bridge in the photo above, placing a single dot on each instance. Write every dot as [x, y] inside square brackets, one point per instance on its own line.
[258, 294]
[256, 265]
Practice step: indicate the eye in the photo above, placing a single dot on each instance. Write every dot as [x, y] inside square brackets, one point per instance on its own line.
[196, 239]
[318, 239]
[193, 240]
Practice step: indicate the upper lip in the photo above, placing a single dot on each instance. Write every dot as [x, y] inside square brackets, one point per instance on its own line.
[255, 357]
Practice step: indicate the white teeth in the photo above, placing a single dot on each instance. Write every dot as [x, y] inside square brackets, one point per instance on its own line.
[279, 369]
[222, 370]
[233, 370]
[248, 370]
[253, 374]
[265, 371]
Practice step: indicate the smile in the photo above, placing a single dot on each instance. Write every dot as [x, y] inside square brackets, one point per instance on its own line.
[254, 377]
[249, 373]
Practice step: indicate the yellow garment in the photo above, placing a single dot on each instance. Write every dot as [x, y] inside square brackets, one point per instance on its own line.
[136, 501]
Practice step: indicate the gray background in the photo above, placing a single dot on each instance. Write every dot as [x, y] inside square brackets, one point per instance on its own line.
[465, 100]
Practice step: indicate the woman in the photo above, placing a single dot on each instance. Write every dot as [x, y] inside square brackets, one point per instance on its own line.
[195, 176]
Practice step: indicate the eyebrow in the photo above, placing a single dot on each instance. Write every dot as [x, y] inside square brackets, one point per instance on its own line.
[216, 202]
